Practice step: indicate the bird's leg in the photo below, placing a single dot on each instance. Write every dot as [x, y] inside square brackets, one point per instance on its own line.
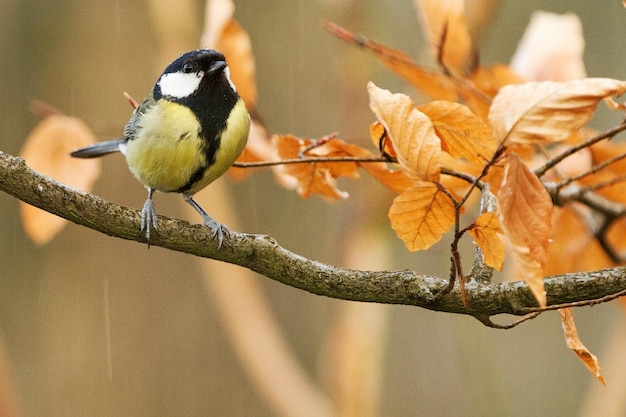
[217, 230]
[148, 216]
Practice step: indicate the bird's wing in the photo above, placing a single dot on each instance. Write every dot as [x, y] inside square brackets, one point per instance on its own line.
[131, 127]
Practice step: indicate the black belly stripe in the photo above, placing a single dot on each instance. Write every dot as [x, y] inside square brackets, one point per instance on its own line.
[195, 177]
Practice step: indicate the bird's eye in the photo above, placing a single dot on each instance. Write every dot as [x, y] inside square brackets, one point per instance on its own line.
[187, 67]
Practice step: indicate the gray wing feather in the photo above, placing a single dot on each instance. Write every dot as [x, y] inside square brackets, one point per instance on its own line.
[100, 148]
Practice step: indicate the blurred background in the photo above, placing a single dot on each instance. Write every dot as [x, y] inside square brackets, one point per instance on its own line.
[96, 326]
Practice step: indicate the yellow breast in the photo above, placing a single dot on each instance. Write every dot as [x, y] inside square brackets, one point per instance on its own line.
[166, 151]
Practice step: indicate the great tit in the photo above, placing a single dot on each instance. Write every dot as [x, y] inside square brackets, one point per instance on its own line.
[184, 135]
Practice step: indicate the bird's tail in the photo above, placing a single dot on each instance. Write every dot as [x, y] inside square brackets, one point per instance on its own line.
[100, 149]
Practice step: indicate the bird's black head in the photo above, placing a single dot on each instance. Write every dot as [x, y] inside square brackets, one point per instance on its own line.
[192, 72]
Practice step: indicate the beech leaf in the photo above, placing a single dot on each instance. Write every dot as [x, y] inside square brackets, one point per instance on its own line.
[446, 29]
[47, 150]
[411, 132]
[435, 85]
[574, 343]
[462, 133]
[526, 209]
[548, 111]
[313, 178]
[485, 232]
[421, 215]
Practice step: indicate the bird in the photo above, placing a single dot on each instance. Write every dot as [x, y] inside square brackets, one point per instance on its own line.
[186, 133]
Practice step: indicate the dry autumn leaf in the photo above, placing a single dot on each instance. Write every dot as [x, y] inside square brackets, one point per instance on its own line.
[462, 133]
[486, 82]
[411, 132]
[446, 30]
[485, 231]
[548, 111]
[435, 85]
[526, 210]
[574, 343]
[381, 140]
[47, 150]
[317, 177]
[421, 215]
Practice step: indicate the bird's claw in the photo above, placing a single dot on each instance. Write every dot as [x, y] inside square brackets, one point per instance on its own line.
[148, 219]
[218, 230]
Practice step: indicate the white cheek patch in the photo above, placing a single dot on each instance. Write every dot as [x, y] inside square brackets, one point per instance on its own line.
[179, 84]
[227, 74]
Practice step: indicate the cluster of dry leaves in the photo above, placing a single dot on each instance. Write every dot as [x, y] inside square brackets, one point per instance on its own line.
[518, 140]
[513, 134]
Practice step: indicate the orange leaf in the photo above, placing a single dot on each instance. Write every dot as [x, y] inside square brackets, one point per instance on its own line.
[548, 111]
[421, 215]
[576, 346]
[435, 85]
[381, 140]
[394, 180]
[446, 30]
[47, 150]
[316, 177]
[462, 133]
[411, 132]
[223, 33]
[485, 232]
[526, 209]
[487, 81]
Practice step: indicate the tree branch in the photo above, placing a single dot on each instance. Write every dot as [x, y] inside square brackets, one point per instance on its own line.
[262, 254]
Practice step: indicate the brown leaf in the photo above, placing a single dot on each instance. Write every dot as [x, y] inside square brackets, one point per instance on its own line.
[47, 150]
[485, 231]
[487, 81]
[446, 31]
[381, 139]
[548, 111]
[225, 34]
[396, 180]
[462, 133]
[411, 132]
[576, 346]
[421, 215]
[526, 209]
[435, 85]
[315, 177]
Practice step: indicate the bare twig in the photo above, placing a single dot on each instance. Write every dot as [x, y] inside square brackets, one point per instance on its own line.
[311, 159]
[540, 172]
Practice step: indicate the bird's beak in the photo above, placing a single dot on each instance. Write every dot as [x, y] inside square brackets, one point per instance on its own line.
[218, 66]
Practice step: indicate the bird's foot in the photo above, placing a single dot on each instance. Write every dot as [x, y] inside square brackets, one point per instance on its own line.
[148, 219]
[218, 230]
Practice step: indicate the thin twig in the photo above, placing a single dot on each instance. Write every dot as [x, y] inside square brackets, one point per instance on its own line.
[311, 159]
[487, 321]
[583, 303]
[540, 172]
[593, 170]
